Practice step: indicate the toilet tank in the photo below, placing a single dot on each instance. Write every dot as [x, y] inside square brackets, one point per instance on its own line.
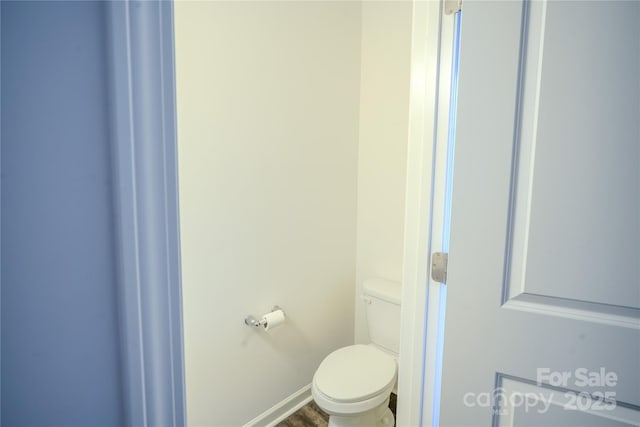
[382, 308]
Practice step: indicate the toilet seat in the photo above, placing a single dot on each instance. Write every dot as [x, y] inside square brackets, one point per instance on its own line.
[355, 376]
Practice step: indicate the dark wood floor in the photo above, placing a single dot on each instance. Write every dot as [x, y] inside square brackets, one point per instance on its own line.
[312, 416]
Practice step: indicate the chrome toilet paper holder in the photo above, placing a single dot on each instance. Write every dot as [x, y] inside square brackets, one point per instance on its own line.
[252, 321]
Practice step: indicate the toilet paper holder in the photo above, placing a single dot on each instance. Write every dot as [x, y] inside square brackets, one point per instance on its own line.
[252, 321]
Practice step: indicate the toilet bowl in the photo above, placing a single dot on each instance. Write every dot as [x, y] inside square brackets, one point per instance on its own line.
[354, 383]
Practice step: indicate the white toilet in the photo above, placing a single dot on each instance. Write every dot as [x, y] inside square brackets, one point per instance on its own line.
[353, 384]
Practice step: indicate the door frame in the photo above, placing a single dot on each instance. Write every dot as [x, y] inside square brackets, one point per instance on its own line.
[146, 223]
[145, 170]
[430, 146]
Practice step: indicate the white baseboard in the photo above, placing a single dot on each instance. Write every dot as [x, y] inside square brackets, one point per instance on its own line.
[283, 409]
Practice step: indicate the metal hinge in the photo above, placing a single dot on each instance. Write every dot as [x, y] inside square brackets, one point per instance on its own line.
[439, 261]
[452, 7]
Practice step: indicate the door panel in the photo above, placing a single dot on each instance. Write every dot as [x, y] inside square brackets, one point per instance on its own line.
[524, 404]
[587, 174]
[544, 283]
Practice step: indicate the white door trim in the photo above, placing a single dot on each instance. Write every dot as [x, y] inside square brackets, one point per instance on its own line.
[144, 159]
[421, 324]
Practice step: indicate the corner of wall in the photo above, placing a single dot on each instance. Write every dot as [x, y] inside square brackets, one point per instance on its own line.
[384, 109]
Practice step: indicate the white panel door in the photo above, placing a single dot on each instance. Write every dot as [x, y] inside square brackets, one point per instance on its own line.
[543, 304]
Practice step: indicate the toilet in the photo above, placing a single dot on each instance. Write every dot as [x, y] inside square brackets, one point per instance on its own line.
[353, 384]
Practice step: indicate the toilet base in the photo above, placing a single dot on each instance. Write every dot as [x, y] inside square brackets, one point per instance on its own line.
[380, 416]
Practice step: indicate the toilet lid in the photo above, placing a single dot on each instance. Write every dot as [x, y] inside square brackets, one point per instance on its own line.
[355, 373]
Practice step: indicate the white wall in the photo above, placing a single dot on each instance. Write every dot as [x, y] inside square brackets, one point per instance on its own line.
[382, 152]
[268, 109]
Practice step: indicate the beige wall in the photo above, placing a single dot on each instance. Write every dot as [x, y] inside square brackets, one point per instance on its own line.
[291, 116]
[268, 99]
[382, 151]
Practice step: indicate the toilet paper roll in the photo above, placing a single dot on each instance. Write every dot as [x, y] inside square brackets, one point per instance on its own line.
[273, 319]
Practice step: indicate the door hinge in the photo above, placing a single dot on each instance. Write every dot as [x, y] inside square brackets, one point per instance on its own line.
[452, 7]
[439, 261]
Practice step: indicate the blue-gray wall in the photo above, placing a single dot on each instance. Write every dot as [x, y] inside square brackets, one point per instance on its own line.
[58, 292]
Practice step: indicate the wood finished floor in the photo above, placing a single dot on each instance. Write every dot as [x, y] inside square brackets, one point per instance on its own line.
[312, 416]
